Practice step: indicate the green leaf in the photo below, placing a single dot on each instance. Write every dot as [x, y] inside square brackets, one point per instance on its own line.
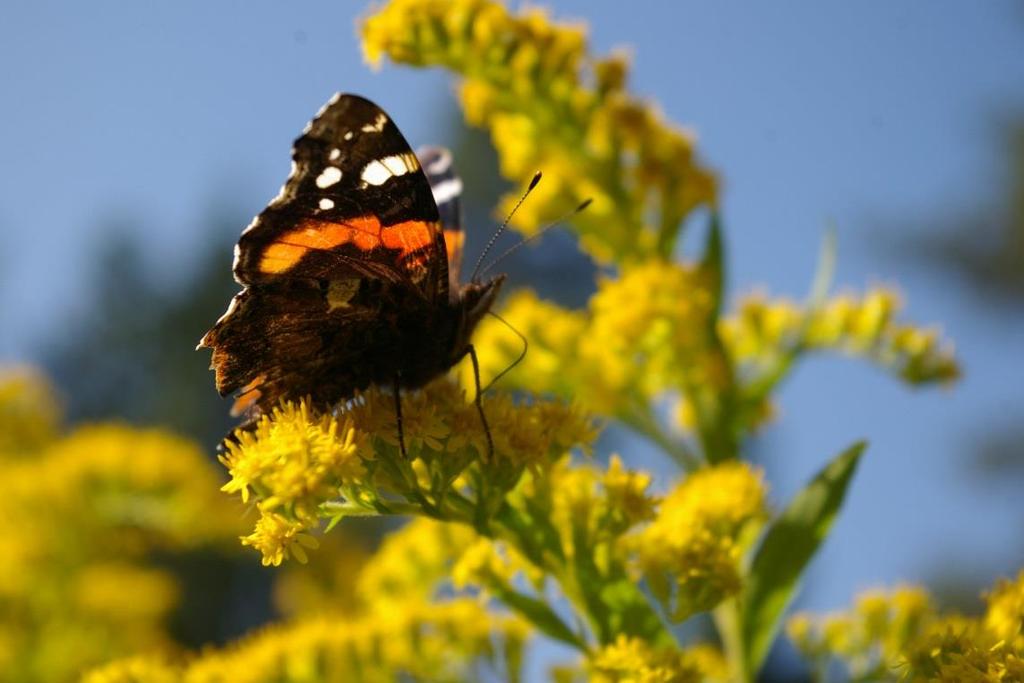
[787, 547]
[539, 614]
[334, 522]
[713, 261]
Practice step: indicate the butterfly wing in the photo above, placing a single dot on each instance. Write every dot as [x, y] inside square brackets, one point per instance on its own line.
[357, 204]
[293, 338]
[447, 189]
[353, 237]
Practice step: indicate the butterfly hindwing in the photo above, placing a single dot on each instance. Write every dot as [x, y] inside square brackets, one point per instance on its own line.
[447, 188]
[296, 337]
[357, 204]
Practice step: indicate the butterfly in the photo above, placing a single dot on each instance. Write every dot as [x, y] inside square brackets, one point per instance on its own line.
[351, 274]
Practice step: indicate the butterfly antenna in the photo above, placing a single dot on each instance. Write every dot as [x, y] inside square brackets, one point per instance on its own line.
[504, 224]
[554, 224]
[517, 361]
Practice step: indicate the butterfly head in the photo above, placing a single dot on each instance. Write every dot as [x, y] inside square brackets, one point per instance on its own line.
[475, 300]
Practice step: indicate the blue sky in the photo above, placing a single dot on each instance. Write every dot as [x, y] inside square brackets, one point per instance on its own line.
[870, 116]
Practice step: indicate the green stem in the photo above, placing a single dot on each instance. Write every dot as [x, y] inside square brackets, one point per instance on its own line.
[393, 507]
[727, 621]
[643, 423]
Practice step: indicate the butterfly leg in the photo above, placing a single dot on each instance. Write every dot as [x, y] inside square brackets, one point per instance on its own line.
[398, 418]
[479, 403]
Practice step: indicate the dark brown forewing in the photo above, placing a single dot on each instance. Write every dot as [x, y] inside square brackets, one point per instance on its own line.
[357, 204]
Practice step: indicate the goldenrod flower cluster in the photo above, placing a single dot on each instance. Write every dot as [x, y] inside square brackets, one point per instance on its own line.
[900, 635]
[79, 515]
[634, 661]
[301, 466]
[764, 333]
[691, 553]
[443, 641]
[413, 561]
[550, 105]
[644, 334]
[651, 334]
[29, 411]
[397, 626]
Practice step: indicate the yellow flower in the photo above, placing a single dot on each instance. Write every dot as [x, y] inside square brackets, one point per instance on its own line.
[444, 641]
[29, 411]
[631, 660]
[481, 565]
[553, 335]
[1005, 615]
[763, 333]
[278, 538]
[302, 466]
[135, 670]
[644, 334]
[899, 633]
[648, 328]
[690, 553]
[111, 590]
[78, 522]
[328, 582]
[550, 105]
[412, 561]
[627, 492]
[295, 459]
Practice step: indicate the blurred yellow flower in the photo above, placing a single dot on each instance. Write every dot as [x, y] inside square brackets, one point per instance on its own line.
[631, 660]
[139, 669]
[29, 411]
[691, 552]
[627, 493]
[79, 517]
[899, 634]
[1005, 615]
[550, 105]
[765, 334]
[412, 561]
[644, 334]
[444, 641]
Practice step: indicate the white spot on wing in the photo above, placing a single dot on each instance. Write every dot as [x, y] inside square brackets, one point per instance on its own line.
[395, 164]
[326, 204]
[348, 135]
[377, 126]
[335, 153]
[447, 190]
[328, 177]
[375, 173]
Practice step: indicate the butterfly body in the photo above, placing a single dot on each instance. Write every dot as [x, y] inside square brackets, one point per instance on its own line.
[350, 273]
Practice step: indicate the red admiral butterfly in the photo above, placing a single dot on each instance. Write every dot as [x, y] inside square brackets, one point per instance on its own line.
[350, 274]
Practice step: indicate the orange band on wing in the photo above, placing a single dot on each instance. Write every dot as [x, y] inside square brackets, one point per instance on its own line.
[453, 240]
[247, 396]
[364, 232]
